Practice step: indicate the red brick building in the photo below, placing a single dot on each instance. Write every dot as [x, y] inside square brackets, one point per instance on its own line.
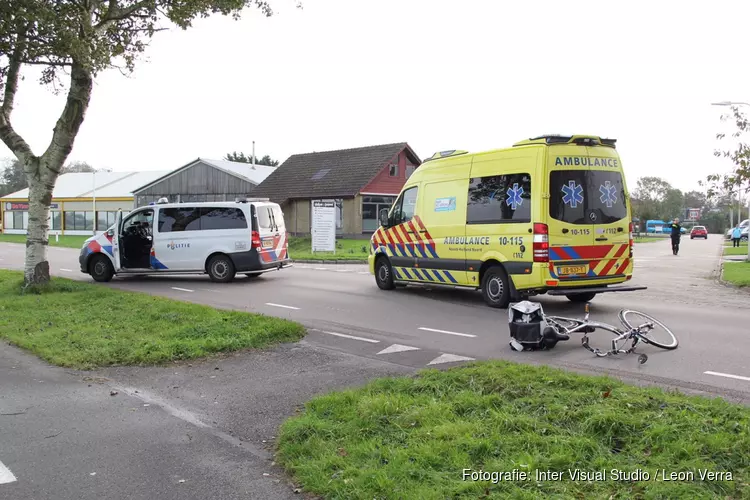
[363, 181]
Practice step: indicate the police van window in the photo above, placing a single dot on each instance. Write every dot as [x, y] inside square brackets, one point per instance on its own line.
[405, 207]
[264, 218]
[499, 199]
[222, 218]
[278, 218]
[173, 220]
[587, 196]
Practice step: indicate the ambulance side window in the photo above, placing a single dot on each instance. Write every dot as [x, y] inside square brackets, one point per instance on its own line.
[405, 207]
[499, 199]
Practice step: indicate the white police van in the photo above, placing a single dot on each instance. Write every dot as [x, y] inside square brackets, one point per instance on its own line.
[220, 239]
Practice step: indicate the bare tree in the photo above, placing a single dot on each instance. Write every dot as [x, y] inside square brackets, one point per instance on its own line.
[76, 39]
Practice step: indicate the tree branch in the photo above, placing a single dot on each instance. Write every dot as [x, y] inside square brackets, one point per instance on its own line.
[115, 14]
[8, 135]
[67, 126]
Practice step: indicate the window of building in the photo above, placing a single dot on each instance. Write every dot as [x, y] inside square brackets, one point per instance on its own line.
[173, 220]
[18, 220]
[371, 207]
[79, 221]
[410, 170]
[56, 221]
[222, 218]
[105, 220]
[393, 170]
[499, 199]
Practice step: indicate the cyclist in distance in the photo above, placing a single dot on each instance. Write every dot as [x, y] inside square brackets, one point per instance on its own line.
[675, 235]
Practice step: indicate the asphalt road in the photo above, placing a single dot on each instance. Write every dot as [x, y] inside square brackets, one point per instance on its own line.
[421, 327]
[202, 430]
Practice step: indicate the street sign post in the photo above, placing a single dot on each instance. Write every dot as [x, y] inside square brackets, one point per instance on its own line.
[324, 226]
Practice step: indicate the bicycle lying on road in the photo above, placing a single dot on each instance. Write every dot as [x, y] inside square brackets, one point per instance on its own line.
[530, 328]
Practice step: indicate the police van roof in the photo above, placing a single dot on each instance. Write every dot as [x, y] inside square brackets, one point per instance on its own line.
[240, 201]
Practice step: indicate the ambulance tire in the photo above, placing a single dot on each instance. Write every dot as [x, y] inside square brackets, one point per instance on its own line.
[384, 274]
[220, 269]
[100, 268]
[579, 298]
[495, 287]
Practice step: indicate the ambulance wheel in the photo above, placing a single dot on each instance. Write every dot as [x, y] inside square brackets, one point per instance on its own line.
[384, 274]
[100, 268]
[220, 269]
[495, 287]
[580, 297]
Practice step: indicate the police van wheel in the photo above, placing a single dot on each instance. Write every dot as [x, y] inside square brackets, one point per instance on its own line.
[100, 268]
[384, 274]
[495, 287]
[580, 297]
[220, 269]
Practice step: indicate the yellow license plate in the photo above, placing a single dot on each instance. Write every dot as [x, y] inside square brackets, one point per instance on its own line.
[267, 243]
[571, 270]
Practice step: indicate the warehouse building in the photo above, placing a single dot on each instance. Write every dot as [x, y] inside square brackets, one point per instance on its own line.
[86, 202]
[81, 202]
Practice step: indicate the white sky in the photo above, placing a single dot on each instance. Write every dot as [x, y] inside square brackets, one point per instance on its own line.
[474, 74]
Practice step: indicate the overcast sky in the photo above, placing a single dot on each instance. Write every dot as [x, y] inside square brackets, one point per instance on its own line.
[474, 74]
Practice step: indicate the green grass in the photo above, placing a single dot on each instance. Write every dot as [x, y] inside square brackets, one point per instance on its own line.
[82, 325]
[741, 250]
[64, 241]
[737, 273]
[647, 239]
[413, 437]
[300, 248]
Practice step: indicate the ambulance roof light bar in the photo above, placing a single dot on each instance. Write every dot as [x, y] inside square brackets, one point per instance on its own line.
[582, 140]
[446, 154]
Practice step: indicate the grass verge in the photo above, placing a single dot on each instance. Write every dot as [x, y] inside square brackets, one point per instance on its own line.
[741, 250]
[81, 325]
[415, 437]
[737, 273]
[300, 248]
[63, 241]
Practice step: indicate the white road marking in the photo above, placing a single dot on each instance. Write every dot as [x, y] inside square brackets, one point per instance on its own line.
[66, 270]
[321, 269]
[448, 358]
[6, 476]
[446, 332]
[372, 341]
[398, 348]
[728, 375]
[282, 306]
[343, 271]
[363, 272]
[182, 289]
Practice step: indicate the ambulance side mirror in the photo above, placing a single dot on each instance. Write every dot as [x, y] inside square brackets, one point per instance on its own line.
[110, 232]
[384, 217]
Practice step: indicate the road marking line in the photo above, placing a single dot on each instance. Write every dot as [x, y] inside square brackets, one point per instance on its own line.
[6, 476]
[372, 341]
[398, 348]
[282, 306]
[182, 289]
[445, 331]
[66, 270]
[343, 271]
[448, 358]
[320, 269]
[728, 375]
[363, 272]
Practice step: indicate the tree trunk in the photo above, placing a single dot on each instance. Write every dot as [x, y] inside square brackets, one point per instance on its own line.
[36, 269]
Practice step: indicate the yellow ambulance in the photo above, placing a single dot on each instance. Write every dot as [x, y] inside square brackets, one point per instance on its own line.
[549, 215]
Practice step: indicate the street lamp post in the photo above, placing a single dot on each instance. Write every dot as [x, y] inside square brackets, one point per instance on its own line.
[739, 190]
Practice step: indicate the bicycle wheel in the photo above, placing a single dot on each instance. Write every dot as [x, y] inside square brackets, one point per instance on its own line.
[659, 335]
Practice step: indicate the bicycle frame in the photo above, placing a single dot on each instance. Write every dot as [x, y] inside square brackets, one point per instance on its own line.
[586, 326]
